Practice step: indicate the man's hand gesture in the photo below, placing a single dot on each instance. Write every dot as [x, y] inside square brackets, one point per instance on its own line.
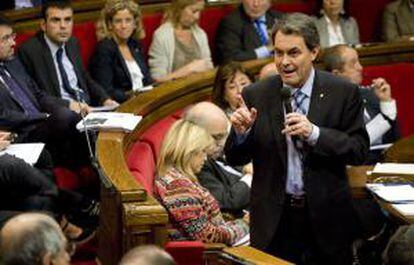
[243, 118]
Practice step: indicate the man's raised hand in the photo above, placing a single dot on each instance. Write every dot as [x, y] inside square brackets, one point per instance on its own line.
[243, 118]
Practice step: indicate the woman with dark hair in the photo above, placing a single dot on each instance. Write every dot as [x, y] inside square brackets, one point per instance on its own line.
[117, 63]
[231, 78]
[334, 24]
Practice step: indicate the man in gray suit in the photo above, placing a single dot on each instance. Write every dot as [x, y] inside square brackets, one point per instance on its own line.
[398, 21]
[230, 186]
[380, 113]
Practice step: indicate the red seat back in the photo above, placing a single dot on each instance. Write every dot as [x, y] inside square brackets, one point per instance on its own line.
[141, 163]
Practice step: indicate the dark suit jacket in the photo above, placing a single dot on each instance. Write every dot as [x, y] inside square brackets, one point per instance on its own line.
[12, 116]
[232, 194]
[108, 68]
[336, 108]
[237, 37]
[36, 56]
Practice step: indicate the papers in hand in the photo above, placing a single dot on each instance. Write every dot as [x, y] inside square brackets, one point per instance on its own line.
[28, 152]
[402, 193]
[244, 241]
[109, 121]
[104, 108]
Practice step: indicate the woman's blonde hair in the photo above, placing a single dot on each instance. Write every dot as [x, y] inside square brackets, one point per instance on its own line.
[183, 140]
[175, 9]
[113, 6]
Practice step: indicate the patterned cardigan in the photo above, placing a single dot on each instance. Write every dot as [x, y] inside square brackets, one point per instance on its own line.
[194, 212]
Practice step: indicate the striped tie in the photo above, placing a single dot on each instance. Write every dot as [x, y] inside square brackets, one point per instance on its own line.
[298, 99]
[261, 31]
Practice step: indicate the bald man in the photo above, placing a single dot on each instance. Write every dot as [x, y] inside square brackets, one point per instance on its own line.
[230, 186]
[147, 255]
[32, 237]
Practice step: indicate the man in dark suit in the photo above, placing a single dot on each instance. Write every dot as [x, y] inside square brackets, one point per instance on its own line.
[301, 207]
[230, 186]
[380, 113]
[53, 60]
[31, 113]
[243, 34]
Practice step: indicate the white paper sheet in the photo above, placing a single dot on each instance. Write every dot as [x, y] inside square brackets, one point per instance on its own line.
[29, 152]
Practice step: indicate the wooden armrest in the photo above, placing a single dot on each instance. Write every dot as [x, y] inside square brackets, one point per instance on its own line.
[214, 246]
[254, 256]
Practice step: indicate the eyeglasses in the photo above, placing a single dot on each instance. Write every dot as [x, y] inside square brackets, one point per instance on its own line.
[8, 37]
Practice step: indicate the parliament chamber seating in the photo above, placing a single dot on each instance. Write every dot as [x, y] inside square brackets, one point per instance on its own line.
[130, 215]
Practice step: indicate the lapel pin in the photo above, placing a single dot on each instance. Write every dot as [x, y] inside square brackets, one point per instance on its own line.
[321, 95]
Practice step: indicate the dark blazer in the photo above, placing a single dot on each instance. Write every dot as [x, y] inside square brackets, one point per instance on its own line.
[336, 108]
[12, 116]
[237, 37]
[108, 68]
[232, 194]
[36, 56]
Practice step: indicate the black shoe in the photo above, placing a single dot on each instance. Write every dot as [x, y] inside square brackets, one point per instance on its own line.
[88, 216]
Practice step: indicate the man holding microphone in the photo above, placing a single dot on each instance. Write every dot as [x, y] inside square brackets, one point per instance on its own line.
[301, 207]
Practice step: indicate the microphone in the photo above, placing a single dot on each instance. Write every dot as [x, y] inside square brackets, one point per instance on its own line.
[286, 99]
[92, 156]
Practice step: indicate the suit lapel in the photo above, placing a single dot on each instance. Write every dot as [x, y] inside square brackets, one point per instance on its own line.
[319, 93]
[20, 81]
[276, 119]
[50, 65]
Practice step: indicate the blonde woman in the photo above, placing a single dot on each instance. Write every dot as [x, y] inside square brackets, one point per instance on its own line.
[117, 63]
[179, 46]
[193, 211]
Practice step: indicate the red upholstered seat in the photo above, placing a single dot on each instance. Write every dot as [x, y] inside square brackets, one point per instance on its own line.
[305, 7]
[85, 33]
[186, 252]
[154, 135]
[151, 22]
[141, 163]
[401, 78]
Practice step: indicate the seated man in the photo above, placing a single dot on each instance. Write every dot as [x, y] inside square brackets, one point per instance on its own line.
[229, 186]
[31, 113]
[53, 60]
[380, 112]
[398, 21]
[243, 34]
[34, 238]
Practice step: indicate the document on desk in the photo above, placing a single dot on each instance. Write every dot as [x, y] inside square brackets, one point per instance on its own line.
[406, 209]
[244, 241]
[394, 168]
[109, 121]
[28, 152]
[403, 193]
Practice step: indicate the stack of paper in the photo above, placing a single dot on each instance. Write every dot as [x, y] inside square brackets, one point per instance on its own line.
[109, 121]
[393, 193]
[393, 168]
[406, 209]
